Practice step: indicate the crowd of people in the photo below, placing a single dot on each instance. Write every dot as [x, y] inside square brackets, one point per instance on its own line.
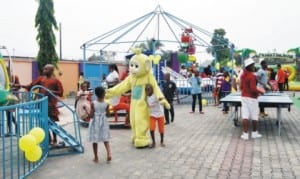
[249, 81]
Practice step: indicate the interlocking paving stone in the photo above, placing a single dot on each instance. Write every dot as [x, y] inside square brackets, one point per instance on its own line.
[197, 146]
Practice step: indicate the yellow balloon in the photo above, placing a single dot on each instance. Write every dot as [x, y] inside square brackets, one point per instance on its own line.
[229, 63]
[218, 66]
[34, 155]
[27, 142]
[110, 108]
[38, 133]
[192, 58]
[204, 102]
[156, 59]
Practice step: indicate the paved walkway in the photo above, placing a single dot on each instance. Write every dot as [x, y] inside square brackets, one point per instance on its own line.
[197, 146]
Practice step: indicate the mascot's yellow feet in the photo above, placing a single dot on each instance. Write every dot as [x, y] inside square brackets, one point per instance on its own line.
[141, 143]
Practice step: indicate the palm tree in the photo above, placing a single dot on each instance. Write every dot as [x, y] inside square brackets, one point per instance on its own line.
[45, 23]
[150, 45]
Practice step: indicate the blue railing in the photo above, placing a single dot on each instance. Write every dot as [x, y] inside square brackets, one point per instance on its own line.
[70, 137]
[184, 89]
[15, 122]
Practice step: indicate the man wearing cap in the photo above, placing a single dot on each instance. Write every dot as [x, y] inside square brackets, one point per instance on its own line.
[249, 95]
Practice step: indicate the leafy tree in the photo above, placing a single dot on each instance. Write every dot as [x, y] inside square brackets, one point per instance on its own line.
[104, 56]
[242, 54]
[238, 58]
[220, 46]
[45, 23]
[93, 58]
[156, 44]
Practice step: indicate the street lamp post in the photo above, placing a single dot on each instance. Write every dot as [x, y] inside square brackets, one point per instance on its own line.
[101, 68]
[232, 59]
[84, 60]
[9, 57]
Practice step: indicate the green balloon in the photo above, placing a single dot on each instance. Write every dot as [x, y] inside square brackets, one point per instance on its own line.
[182, 57]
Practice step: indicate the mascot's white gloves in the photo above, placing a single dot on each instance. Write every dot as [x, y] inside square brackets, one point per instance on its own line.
[165, 103]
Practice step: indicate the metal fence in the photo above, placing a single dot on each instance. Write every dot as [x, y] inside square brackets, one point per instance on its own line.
[15, 122]
[184, 88]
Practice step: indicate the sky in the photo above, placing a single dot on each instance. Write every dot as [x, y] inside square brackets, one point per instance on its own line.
[262, 25]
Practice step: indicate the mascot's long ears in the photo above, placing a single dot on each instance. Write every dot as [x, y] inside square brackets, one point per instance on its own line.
[155, 59]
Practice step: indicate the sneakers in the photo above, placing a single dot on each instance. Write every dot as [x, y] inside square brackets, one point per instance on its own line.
[256, 135]
[225, 112]
[245, 136]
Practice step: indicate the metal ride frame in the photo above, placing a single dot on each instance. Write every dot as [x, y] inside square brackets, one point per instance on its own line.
[142, 24]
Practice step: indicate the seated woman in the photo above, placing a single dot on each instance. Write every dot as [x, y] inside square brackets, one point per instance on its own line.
[113, 77]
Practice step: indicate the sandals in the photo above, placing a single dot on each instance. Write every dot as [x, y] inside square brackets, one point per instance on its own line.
[108, 159]
[152, 145]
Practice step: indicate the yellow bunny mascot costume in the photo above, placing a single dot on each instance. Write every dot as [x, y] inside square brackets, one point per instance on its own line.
[140, 74]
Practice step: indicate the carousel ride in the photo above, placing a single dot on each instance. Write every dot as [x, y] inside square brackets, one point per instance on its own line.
[156, 32]
[172, 40]
[25, 111]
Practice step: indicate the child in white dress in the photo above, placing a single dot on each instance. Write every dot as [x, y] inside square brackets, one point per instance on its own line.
[98, 127]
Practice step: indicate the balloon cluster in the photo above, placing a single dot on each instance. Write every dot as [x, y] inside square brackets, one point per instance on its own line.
[155, 58]
[30, 144]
